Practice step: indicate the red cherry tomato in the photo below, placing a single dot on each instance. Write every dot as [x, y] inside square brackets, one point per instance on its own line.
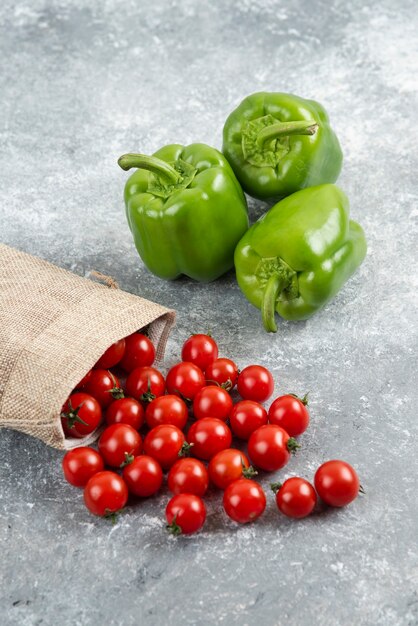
[290, 413]
[337, 483]
[201, 350]
[244, 500]
[118, 444]
[83, 381]
[80, 415]
[269, 447]
[139, 352]
[185, 380]
[209, 436]
[295, 498]
[224, 372]
[105, 494]
[188, 476]
[227, 466]
[125, 411]
[185, 514]
[104, 386]
[164, 444]
[143, 476]
[112, 356]
[145, 384]
[80, 464]
[246, 417]
[212, 402]
[255, 383]
[169, 409]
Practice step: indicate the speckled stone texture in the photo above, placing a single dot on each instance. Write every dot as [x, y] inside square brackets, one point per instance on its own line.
[83, 82]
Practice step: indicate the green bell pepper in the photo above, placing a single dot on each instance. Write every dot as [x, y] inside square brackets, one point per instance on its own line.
[299, 254]
[186, 211]
[278, 143]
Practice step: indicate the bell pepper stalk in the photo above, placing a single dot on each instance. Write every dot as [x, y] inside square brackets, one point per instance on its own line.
[285, 129]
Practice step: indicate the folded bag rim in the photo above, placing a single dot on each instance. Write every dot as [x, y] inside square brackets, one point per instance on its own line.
[67, 323]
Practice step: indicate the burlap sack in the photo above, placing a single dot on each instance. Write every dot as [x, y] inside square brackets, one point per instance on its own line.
[54, 326]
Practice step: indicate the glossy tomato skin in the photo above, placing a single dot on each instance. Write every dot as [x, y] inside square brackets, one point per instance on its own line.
[212, 401]
[145, 384]
[164, 443]
[80, 406]
[224, 372]
[169, 409]
[105, 493]
[119, 442]
[104, 386]
[289, 413]
[80, 464]
[185, 514]
[255, 383]
[112, 356]
[125, 411]
[244, 500]
[296, 498]
[209, 436]
[143, 476]
[83, 381]
[139, 352]
[246, 416]
[337, 483]
[185, 380]
[201, 350]
[188, 476]
[226, 467]
[269, 447]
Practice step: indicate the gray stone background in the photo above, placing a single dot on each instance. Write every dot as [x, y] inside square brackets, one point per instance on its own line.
[82, 82]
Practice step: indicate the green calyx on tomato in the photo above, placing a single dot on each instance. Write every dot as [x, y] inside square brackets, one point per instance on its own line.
[148, 396]
[185, 449]
[116, 392]
[248, 472]
[275, 487]
[111, 515]
[303, 400]
[72, 417]
[292, 445]
[174, 528]
[128, 460]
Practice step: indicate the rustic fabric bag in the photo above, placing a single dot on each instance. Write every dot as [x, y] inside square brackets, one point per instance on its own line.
[54, 326]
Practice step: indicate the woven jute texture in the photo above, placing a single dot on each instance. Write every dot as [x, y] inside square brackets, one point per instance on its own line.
[54, 326]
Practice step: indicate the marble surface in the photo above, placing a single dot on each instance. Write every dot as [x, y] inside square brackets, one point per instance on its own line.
[85, 81]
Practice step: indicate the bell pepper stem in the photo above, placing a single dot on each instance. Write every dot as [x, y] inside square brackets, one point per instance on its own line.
[150, 163]
[268, 307]
[283, 129]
